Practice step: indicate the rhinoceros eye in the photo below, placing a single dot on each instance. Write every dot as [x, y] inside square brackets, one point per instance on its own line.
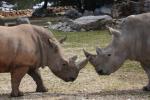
[64, 64]
[108, 55]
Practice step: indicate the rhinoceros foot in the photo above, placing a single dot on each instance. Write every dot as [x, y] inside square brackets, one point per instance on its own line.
[41, 89]
[146, 88]
[16, 94]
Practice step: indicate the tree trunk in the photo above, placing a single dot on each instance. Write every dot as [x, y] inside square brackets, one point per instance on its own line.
[45, 4]
[79, 6]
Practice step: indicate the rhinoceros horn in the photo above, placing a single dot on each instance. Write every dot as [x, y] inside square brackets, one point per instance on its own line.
[114, 32]
[87, 54]
[63, 39]
[73, 59]
[82, 64]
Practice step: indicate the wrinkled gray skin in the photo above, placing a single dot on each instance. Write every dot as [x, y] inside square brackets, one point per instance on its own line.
[130, 41]
[25, 48]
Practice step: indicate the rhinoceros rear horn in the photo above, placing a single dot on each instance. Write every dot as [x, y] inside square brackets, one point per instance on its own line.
[82, 64]
[63, 39]
[73, 59]
[114, 32]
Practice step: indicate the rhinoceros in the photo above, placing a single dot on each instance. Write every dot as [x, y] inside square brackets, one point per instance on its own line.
[130, 41]
[25, 48]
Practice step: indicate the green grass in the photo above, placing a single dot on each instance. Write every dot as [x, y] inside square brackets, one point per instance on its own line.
[86, 40]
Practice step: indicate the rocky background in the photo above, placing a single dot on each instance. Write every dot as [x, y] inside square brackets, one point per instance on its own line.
[72, 19]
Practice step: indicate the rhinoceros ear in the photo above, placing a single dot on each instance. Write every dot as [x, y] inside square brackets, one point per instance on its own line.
[114, 32]
[53, 44]
[63, 39]
[99, 51]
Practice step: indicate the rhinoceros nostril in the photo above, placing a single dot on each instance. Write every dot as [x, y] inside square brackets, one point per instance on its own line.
[100, 72]
[72, 79]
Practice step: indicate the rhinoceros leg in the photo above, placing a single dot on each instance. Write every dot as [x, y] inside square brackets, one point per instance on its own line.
[35, 74]
[146, 67]
[16, 75]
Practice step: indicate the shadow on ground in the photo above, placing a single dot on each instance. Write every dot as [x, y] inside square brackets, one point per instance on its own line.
[105, 95]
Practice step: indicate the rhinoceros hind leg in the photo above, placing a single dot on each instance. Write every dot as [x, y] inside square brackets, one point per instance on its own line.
[16, 75]
[146, 68]
[35, 74]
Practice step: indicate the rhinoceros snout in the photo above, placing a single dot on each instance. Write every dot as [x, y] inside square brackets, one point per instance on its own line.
[71, 79]
[101, 72]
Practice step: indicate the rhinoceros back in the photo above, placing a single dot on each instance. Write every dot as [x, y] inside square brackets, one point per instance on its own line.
[20, 45]
[135, 30]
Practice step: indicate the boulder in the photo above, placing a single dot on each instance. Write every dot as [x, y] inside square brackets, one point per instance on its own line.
[93, 22]
[73, 14]
[88, 13]
[97, 11]
[12, 21]
[64, 26]
[22, 20]
[104, 10]
[85, 23]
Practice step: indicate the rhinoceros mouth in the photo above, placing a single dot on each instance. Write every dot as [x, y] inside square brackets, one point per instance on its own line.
[70, 80]
[101, 72]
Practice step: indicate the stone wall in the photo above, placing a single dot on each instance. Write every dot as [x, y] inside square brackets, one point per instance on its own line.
[16, 13]
[130, 7]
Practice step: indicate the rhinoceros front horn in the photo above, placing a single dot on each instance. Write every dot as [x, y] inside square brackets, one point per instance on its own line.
[82, 64]
[87, 54]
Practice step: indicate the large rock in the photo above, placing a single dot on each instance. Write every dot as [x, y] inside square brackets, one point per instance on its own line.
[104, 10]
[22, 20]
[93, 22]
[85, 23]
[12, 21]
[88, 13]
[73, 14]
[65, 25]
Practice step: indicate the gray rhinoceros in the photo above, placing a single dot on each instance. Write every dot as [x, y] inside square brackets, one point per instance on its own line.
[25, 48]
[130, 41]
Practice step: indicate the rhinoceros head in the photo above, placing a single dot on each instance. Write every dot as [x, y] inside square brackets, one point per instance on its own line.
[66, 69]
[109, 59]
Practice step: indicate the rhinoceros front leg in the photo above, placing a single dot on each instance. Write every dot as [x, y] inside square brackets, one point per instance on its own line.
[16, 75]
[35, 74]
[146, 68]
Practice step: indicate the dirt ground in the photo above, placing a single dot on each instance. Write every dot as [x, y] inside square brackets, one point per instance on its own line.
[122, 85]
